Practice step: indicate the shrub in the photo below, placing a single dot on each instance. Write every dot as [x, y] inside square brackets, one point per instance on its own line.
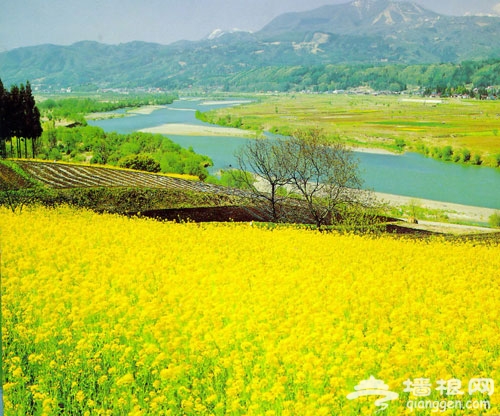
[142, 162]
[194, 167]
[465, 155]
[446, 153]
[495, 219]
[434, 152]
[235, 178]
[54, 154]
[98, 159]
[415, 211]
[496, 160]
[400, 144]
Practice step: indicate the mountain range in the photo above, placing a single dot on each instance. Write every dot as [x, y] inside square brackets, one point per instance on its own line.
[361, 32]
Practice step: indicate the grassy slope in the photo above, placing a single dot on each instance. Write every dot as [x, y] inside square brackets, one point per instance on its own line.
[379, 121]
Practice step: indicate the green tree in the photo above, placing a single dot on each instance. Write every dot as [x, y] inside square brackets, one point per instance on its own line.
[19, 118]
[32, 125]
[140, 162]
[4, 128]
[16, 115]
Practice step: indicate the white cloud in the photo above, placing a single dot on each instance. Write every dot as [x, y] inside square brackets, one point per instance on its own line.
[496, 9]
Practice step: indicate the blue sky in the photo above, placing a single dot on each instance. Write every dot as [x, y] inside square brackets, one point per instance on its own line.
[34, 22]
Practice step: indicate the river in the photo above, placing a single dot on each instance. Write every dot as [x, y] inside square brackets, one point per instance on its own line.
[410, 174]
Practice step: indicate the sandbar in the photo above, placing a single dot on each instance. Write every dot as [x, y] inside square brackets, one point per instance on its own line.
[235, 102]
[144, 110]
[374, 150]
[181, 129]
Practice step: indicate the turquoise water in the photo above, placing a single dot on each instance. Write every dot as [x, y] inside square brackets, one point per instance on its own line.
[410, 174]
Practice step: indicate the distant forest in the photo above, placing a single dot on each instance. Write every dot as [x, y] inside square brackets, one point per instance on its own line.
[472, 78]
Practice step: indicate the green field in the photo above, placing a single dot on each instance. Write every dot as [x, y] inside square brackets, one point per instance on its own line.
[390, 122]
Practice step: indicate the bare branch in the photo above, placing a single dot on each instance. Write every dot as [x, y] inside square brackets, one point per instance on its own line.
[324, 173]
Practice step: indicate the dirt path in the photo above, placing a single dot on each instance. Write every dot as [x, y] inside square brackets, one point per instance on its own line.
[447, 228]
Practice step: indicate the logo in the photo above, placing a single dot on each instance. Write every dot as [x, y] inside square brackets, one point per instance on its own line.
[374, 387]
[424, 395]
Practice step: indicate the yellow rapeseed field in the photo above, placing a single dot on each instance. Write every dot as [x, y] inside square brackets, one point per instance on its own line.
[107, 315]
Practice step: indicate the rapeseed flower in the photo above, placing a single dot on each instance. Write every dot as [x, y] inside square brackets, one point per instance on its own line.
[104, 314]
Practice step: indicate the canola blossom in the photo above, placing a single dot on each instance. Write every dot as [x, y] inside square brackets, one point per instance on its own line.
[108, 315]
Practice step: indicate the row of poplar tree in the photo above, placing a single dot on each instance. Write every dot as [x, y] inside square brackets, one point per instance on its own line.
[19, 121]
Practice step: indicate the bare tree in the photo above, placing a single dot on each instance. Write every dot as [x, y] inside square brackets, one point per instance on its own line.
[324, 173]
[264, 158]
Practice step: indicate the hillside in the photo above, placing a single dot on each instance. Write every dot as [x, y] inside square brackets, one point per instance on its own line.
[162, 197]
[122, 191]
[368, 32]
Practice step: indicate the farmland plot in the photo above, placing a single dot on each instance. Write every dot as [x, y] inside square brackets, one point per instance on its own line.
[59, 175]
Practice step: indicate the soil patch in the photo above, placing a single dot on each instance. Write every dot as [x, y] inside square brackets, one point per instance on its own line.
[206, 214]
[10, 179]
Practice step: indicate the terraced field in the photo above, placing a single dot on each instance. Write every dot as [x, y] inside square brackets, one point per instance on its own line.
[153, 195]
[60, 176]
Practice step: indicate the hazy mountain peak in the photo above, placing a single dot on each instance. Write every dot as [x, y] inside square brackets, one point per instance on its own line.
[355, 17]
[401, 12]
[217, 33]
[365, 5]
[390, 12]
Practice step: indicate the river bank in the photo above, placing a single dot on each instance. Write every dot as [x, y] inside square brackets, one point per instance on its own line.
[456, 213]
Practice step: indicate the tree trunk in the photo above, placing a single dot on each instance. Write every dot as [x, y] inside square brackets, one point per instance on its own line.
[3, 148]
